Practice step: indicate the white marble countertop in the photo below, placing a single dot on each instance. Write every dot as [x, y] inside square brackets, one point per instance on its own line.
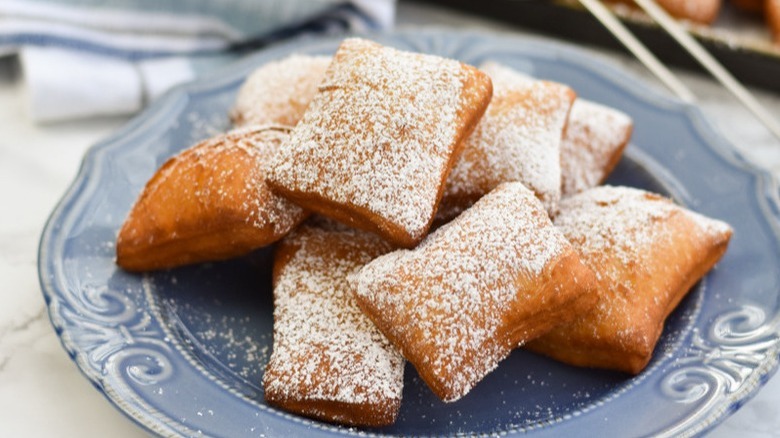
[43, 394]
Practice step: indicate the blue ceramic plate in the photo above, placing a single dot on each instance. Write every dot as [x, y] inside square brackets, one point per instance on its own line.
[182, 352]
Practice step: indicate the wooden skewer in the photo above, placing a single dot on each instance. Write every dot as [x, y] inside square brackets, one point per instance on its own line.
[605, 16]
[710, 63]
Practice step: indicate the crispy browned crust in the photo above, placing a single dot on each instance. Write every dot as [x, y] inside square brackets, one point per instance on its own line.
[207, 203]
[349, 414]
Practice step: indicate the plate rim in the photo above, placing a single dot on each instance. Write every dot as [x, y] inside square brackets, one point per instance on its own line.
[766, 184]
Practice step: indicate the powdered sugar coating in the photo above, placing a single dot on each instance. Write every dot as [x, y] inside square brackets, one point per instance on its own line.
[614, 220]
[208, 202]
[378, 137]
[615, 227]
[256, 145]
[264, 208]
[279, 92]
[518, 139]
[646, 252]
[448, 298]
[592, 143]
[622, 220]
[325, 348]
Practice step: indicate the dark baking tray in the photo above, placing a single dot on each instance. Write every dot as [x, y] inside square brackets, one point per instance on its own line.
[751, 63]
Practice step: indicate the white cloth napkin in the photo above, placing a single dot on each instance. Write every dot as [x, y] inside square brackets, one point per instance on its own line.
[82, 58]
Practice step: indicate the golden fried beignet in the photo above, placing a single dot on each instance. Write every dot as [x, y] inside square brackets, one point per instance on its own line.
[518, 139]
[379, 138]
[647, 253]
[329, 361]
[278, 93]
[209, 202]
[495, 277]
[592, 145]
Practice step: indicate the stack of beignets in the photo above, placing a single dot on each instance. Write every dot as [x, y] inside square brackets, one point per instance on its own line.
[379, 139]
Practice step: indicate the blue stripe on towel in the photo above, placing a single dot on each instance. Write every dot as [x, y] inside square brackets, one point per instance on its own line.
[341, 17]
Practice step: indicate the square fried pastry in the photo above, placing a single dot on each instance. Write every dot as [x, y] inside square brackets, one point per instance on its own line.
[279, 92]
[592, 145]
[518, 139]
[647, 253]
[329, 361]
[495, 277]
[209, 202]
[379, 138]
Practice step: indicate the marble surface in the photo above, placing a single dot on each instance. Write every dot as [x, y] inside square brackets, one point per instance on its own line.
[42, 392]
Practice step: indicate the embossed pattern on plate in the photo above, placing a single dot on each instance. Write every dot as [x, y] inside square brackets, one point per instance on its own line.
[181, 352]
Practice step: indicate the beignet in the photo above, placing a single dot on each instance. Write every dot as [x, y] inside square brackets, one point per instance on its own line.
[279, 92]
[647, 253]
[379, 138]
[209, 202]
[518, 139]
[329, 361]
[495, 277]
[592, 145]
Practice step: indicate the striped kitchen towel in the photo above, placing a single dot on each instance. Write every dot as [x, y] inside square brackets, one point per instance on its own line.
[82, 58]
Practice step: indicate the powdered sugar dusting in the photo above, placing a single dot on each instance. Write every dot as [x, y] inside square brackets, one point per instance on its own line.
[708, 225]
[518, 139]
[447, 298]
[623, 222]
[325, 348]
[219, 182]
[594, 136]
[280, 91]
[614, 219]
[255, 145]
[626, 235]
[379, 134]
